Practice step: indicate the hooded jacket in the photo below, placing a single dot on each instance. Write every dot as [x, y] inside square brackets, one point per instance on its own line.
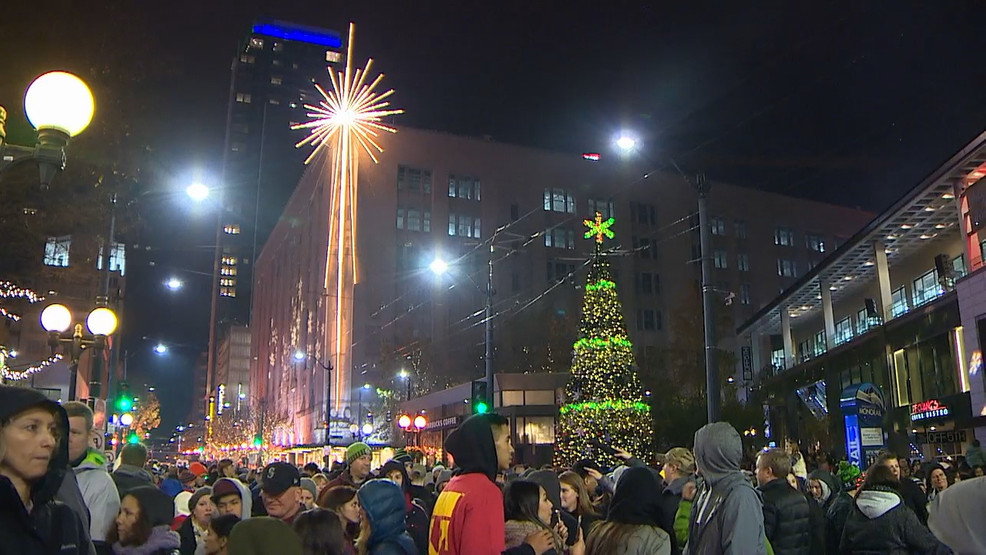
[727, 513]
[786, 518]
[956, 517]
[386, 506]
[468, 515]
[246, 498]
[51, 526]
[637, 502]
[128, 477]
[416, 520]
[830, 487]
[881, 523]
[99, 493]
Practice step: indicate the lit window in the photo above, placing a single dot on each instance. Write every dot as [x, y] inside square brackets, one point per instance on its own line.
[898, 302]
[843, 330]
[463, 187]
[228, 271]
[720, 258]
[463, 226]
[231, 229]
[237, 147]
[256, 42]
[247, 59]
[927, 288]
[604, 207]
[815, 242]
[745, 293]
[784, 236]
[56, 251]
[743, 262]
[118, 258]
[559, 200]
[275, 102]
[34, 212]
[243, 98]
[275, 80]
[787, 268]
[718, 226]
[414, 180]
[278, 47]
[559, 238]
[332, 56]
[229, 260]
[227, 282]
[227, 291]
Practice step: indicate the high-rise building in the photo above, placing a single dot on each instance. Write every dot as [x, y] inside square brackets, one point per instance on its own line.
[272, 78]
[233, 371]
[439, 196]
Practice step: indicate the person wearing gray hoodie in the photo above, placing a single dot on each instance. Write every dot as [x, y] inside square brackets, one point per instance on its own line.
[727, 514]
[232, 497]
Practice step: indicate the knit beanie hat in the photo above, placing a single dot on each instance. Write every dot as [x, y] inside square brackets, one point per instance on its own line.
[401, 455]
[309, 484]
[181, 503]
[198, 468]
[154, 503]
[205, 491]
[356, 450]
[263, 535]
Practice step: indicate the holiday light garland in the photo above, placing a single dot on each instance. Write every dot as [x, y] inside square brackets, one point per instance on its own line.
[10, 291]
[604, 396]
[8, 373]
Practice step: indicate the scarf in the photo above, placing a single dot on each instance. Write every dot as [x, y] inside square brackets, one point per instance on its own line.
[162, 537]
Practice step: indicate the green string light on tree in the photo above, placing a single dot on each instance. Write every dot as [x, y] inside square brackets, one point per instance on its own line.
[604, 397]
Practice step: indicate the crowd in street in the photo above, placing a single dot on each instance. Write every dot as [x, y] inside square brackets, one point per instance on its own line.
[59, 495]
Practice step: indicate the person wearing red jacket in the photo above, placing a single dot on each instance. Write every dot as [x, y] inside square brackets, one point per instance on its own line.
[468, 517]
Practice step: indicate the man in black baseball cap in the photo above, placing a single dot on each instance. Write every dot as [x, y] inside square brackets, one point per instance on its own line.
[280, 488]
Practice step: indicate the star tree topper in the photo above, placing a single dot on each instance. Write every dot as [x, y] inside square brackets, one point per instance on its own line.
[599, 228]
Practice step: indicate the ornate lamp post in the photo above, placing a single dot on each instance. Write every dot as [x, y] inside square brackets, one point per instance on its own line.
[60, 106]
[56, 319]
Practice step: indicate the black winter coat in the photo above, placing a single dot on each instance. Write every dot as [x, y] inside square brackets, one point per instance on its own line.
[786, 518]
[51, 527]
[835, 521]
[881, 523]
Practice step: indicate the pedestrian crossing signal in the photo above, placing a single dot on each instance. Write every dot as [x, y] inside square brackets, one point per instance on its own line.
[480, 397]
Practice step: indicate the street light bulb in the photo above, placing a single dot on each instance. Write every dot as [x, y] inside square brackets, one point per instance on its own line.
[367, 429]
[420, 422]
[126, 419]
[438, 266]
[56, 317]
[402, 374]
[174, 284]
[299, 355]
[366, 386]
[197, 192]
[101, 321]
[626, 143]
[404, 421]
[59, 100]
[160, 348]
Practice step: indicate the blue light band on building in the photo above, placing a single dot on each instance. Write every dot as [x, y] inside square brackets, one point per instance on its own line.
[298, 34]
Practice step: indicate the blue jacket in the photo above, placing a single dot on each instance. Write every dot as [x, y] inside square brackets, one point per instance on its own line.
[386, 507]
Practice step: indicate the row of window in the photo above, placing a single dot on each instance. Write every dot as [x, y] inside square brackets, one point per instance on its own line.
[58, 249]
[412, 219]
[784, 236]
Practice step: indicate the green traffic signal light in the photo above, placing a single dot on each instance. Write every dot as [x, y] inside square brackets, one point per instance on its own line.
[481, 408]
[124, 404]
[133, 439]
[480, 397]
[257, 442]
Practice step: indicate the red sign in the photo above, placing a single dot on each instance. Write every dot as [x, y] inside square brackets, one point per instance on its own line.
[928, 409]
[591, 156]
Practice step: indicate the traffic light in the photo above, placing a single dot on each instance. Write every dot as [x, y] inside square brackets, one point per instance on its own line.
[480, 397]
[257, 442]
[133, 438]
[124, 402]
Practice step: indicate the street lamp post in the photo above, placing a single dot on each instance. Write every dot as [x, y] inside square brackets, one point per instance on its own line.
[59, 105]
[628, 144]
[101, 321]
[302, 356]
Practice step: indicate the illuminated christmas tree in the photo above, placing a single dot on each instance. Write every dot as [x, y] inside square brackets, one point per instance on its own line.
[604, 398]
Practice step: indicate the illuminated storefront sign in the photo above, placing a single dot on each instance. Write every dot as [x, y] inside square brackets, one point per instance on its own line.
[928, 409]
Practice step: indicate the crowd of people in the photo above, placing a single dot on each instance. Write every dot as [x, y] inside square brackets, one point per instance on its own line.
[58, 495]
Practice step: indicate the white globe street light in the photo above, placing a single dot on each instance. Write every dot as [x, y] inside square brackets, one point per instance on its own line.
[438, 266]
[161, 348]
[101, 321]
[56, 318]
[197, 192]
[126, 419]
[59, 100]
[367, 429]
[174, 284]
[300, 355]
[626, 143]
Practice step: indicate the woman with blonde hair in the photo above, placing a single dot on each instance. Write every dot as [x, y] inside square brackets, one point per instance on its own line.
[575, 500]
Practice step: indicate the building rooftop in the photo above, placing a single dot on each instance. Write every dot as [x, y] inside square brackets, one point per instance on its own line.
[298, 33]
[923, 215]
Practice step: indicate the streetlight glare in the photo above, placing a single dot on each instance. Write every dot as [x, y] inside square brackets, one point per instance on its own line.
[367, 429]
[197, 191]
[439, 266]
[366, 386]
[626, 143]
[101, 321]
[59, 100]
[299, 355]
[160, 348]
[174, 284]
[402, 374]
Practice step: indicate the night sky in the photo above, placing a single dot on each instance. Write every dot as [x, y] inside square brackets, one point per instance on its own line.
[846, 102]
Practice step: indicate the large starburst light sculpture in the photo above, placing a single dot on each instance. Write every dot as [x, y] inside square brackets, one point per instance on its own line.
[346, 122]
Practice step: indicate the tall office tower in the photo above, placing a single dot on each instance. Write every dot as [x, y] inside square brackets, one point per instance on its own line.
[271, 81]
